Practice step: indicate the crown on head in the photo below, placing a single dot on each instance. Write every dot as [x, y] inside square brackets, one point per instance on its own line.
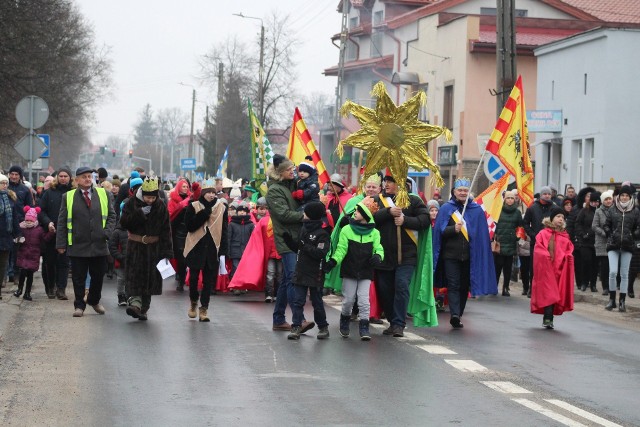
[462, 182]
[209, 183]
[149, 185]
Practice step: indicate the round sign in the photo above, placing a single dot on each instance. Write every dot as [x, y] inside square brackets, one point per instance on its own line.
[493, 168]
[32, 106]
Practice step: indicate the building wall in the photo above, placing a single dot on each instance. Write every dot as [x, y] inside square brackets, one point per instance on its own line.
[605, 114]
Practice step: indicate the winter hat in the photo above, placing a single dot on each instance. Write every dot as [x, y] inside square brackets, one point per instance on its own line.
[102, 173]
[568, 202]
[242, 207]
[135, 182]
[433, 204]
[306, 167]
[281, 163]
[65, 170]
[627, 189]
[555, 210]
[31, 214]
[3, 178]
[364, 211]
[594, 196]
[261, 202]
[16, 168]
[314, 210]
[336, 179]
[134, 174]
[606, 195]
[545, 190]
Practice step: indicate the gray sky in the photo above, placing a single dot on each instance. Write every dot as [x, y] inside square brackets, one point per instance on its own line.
[156, 44]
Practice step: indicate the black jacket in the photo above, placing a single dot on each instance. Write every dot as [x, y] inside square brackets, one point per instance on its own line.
[622, 228]
[50, 203]
[204, 252]
[310, 188]
[240, 229]
[313, 245]
[533, 218]
[584, 234]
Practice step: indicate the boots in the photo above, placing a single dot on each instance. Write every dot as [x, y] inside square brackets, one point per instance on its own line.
[295, 333]
[18, 291]
[364, 330]
[622, 308]
[344, 325]
[525, 289]
[505, 291]
[192, 310]
[593, 288]
[27, 296]
[612, 301]
[203, 315]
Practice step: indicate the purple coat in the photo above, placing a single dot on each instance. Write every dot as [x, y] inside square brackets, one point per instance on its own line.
[29, 251]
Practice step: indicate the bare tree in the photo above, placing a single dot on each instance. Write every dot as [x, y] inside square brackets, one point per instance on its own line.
[171, 124]
[314, 107]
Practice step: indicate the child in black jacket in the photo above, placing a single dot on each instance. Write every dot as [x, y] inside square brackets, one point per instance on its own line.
[312, 247]
[307, 186]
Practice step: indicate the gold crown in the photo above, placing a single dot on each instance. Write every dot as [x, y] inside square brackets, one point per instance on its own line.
[149, 185]
[209, 183]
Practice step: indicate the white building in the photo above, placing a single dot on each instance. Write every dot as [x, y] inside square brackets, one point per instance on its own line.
[593, 79]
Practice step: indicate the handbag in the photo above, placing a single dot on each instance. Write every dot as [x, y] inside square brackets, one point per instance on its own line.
[495, 246]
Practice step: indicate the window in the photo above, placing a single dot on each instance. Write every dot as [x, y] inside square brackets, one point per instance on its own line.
[553, 89]
[352, 51]
[585, 83]
[351, 91]
[447, 113]
[378, 17]
[353, 22]
[376, 44]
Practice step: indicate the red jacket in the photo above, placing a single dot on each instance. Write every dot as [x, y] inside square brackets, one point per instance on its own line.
[176, 202]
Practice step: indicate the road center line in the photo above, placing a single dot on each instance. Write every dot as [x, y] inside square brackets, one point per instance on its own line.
[584, 414]
[435, 349]
[466, 365]
[505, 387]
[548, 413]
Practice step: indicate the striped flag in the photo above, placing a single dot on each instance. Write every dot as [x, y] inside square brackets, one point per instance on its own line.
[222, 168]
[261, 153]
[301, 145]
[509, 141]
[491, 201]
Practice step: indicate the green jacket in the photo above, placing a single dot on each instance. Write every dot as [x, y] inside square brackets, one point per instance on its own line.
[510, 219]
[283, 210]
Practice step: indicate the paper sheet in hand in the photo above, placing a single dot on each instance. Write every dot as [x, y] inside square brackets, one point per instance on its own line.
[165, 268]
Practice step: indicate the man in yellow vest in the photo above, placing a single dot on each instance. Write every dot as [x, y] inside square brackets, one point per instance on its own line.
[85, 224]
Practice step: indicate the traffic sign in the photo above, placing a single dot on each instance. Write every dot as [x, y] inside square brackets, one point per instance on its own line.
[23, 147]
[47, 141]
[199, 176]
[188, 164]
[32, 112]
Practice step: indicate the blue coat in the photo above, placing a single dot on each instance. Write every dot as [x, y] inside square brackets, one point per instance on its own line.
[483, 274]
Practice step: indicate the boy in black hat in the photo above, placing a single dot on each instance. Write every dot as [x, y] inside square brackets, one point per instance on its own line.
[312, 247]
[307, 186]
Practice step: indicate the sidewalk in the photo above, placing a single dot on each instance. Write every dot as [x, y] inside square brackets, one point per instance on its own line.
[10, 305]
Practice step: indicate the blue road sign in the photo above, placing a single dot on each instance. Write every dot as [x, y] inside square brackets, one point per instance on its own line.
[200, 176]
[188, 164]
[47, 141]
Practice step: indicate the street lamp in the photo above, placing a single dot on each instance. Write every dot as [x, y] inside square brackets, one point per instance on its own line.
[193, 110]
[261, 70]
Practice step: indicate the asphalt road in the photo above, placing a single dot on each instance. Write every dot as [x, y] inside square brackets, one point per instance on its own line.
[501, 369]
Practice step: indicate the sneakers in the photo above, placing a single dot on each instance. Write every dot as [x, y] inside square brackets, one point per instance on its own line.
[323, 333]
[268, 298]
[143, 313]
[98, 308]
[122, 300]
[282, 327]
[192, 310]
[78, 312]
[455, 322]
[398, 331]
[295, 333]
[134, 311]
[202, 315]
[61, 295]
[547, 323]
[306, 326]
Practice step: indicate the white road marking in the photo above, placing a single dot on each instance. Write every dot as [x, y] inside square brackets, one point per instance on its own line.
[548, 413]
[411, 336]
[584, 414]
[435, 349]
[466, 365]
[505, 387]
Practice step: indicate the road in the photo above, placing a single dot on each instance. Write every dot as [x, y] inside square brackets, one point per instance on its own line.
[501, 369]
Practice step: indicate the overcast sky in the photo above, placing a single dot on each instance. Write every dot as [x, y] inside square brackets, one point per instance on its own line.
[156, 44]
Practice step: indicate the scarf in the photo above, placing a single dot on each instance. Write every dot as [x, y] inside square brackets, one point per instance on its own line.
[361, 229]
[5, 208]
[28, 224]
[626, 206]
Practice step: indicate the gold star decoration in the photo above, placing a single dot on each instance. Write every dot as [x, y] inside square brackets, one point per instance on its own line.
[393, 137]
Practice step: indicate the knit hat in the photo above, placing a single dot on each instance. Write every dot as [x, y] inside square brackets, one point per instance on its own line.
[3, 178]
[606, 195]
[31, 214]
[314, 210]
[364, 211]
[336, 179]
[16, 168]
[135, 183]
[627, 189]
[281, 163]
[65, 170]
[433, 204]
[243, 207]
[306, 167]
[555, 210]
[134, 174]
[594, 196]
[545, 190]
[261, 202]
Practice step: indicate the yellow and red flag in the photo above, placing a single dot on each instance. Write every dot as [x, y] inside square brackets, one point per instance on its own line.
[301, 145]
[491, 201]
[509, 141]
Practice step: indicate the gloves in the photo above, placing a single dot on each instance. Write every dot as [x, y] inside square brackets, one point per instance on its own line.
[375, 260]
[328, 266]
[146, 210]
[288, 240]
[298, 194]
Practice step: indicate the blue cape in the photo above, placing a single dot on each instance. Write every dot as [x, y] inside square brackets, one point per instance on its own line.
[483, 272]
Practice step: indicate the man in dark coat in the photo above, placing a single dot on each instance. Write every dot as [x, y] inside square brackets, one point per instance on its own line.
[533, 219]
[393, 274]
[85, 224]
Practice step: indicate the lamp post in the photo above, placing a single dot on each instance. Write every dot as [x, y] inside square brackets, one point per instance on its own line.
[261, 69]
[193, 110]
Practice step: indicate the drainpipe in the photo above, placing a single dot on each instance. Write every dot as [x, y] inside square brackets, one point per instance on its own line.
[399, 43]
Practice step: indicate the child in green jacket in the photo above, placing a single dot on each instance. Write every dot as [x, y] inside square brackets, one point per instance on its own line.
[359, 250]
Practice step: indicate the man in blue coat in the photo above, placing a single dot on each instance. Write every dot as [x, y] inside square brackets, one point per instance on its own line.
[462, 250]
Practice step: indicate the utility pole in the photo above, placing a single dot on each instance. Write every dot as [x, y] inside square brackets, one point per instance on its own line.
[193, 111]
[261, 74]
[505, 51]
[220, 98]
[343, 48]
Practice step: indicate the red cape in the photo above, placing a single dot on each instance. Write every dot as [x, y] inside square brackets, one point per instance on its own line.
[552, 280]
[252, 268]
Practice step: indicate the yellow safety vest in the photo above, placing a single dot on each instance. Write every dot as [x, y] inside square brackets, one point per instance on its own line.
[104, 208]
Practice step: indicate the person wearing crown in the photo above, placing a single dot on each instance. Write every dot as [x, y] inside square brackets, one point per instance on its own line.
[462, 250]
[146, 218]
[206, 246]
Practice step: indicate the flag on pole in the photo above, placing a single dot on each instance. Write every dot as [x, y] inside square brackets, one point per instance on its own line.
[491, 201]
[261, 153]
[222, 168]
[301, 145]
[509, 141]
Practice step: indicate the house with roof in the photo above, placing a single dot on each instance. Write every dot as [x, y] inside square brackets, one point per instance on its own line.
[448, 49]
